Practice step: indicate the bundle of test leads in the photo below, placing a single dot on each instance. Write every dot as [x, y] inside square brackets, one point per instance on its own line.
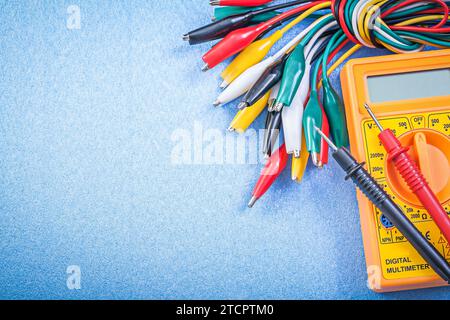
[293, 83]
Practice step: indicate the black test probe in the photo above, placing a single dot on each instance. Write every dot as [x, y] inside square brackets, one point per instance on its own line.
[376, 194]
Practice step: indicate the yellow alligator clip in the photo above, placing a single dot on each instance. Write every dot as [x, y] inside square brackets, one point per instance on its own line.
[299, 164]
[245, 117]
[251, 55]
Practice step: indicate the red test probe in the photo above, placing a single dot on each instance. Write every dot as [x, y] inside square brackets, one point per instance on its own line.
[275, 165]
[239, 3]
[412, 175]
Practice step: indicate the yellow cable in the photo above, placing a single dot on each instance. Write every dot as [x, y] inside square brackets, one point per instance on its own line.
[317, 22]
[349, 52]
[429, 43]
[338, 62]
[244, 118]
[305, 14]
[364, 19]
[251, 55]
[299, 164]
[420, 19]
[355, 48]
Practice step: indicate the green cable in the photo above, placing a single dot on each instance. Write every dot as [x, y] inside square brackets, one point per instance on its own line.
[224, 12]
[348, 15]
[312, 116]
[425, 38]
[293, 73]
[332, 103]
[409, 12]
[397, 37]
[399, 46]
[316, 28]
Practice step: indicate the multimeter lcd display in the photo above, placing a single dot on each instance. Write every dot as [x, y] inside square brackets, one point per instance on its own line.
[411, 85]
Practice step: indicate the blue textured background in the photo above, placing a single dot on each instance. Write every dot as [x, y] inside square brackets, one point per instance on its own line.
[86, 118]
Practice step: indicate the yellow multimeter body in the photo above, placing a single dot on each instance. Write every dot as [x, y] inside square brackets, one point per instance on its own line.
[419, 114]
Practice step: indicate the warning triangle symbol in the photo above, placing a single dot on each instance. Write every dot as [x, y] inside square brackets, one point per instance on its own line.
[441, 240]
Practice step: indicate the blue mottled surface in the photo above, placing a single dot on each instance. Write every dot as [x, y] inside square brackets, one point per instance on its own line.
[86, 119]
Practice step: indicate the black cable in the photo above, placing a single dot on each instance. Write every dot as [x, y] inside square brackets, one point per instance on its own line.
[268, 79]
[376, 194]
[219, 29]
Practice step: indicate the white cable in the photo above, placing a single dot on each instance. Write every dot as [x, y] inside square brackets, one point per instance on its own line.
[244, 82]
[356, 14]
[292, 117]
[384, 34]
[412, 6]
[247, 79]
[298, 38]
[318, 34]
[313, 51]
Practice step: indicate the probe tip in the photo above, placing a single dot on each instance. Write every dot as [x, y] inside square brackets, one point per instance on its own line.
[205, 68]
[216, 103]
[231, 129]
[214, 2]
[374, 118]
[186, 37]
[327, 140]
[252, 202]
[242, 105]
[296, 153]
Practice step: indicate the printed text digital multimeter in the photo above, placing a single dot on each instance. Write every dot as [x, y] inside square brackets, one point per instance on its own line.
[409, 93]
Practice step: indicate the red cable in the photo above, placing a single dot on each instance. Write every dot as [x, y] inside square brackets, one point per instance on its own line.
[243, 3]
[343, 23]
[324, 145]
[274, 167]
[291, 12]
[435, 29]
[238, 40]
[408, 2]
[415, 180]
[332, 55]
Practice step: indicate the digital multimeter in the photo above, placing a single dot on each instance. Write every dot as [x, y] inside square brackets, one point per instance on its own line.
[410, 94]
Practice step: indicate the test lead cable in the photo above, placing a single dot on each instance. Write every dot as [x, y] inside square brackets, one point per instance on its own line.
[376, 194]
[412, 175]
